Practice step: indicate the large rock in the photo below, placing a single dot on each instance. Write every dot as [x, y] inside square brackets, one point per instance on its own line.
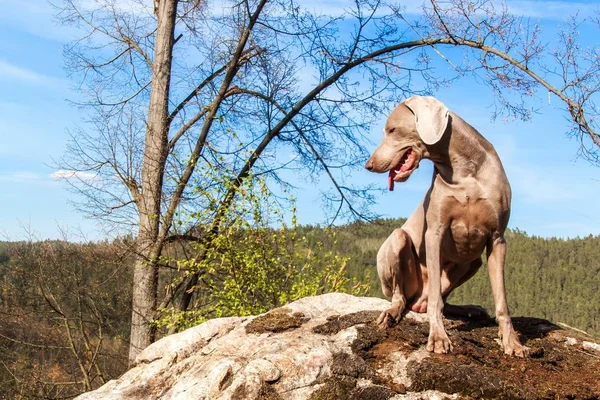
[328, 347]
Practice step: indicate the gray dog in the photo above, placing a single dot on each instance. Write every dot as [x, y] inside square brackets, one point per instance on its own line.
[465, 210]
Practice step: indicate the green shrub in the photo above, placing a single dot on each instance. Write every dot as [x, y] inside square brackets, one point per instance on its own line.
[257, 262]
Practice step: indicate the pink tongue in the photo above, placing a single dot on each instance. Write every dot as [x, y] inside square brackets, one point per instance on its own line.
[403, 168]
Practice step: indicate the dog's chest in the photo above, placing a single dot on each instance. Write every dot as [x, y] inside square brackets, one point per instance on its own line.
[472, 220]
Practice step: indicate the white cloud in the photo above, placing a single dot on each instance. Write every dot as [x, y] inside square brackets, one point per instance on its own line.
[332, 8]
[13, 72]
[527, 8]
[571, 229]
[541, 186]
[22, 177]
[340, 7]
[30, 7]
[18, 176]
[134, 7]
[68, 174]
[25, 177]
[34, 17]
[37, 17]
[551, 9]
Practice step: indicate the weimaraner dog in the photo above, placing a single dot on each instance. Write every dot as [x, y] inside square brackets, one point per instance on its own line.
[465, 210]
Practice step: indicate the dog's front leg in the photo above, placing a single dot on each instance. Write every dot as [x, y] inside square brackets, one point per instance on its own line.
[510, 341]
[438, 341]
[395, 251]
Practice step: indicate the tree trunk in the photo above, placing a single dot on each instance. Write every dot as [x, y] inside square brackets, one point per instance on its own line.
[145, 276]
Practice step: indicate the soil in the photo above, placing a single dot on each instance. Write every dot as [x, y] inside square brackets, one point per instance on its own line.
[338, 323]
[277, 320]
[478, 368]
[266, 393]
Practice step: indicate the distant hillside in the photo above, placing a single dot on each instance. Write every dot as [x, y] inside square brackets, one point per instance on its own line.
[551, 278]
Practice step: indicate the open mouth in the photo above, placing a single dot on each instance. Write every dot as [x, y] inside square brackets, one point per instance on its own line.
[403, 169]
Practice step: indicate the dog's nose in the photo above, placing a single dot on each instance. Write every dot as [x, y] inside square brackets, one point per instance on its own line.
[369, 164]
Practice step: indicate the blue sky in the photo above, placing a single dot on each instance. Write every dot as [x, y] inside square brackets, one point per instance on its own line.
[554, 193]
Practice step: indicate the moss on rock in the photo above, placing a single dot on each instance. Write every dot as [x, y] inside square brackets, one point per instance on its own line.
[277, 320]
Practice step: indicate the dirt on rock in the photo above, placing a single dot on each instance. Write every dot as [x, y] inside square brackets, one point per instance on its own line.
[277, 320]
[478, 368]
[558, 366]
[338, 323]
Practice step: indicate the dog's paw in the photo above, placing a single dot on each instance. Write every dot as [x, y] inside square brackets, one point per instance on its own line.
[388, 318]
[519, 351]
[513, 347]
[439, 343]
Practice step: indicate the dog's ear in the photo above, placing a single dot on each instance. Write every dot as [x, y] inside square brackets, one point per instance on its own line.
[431, 117]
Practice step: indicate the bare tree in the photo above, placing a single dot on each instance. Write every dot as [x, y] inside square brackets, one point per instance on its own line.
[185, 98]
[61, 318]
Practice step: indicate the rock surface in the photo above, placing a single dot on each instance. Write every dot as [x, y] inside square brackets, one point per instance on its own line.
[328, 347]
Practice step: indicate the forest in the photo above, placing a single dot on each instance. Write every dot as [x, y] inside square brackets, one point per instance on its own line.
[66, 306]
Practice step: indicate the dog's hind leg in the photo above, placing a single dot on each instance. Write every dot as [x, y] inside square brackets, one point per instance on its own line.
[396, 266]
[459, 275]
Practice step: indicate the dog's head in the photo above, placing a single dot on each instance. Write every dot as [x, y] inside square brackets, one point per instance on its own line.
[411, 128]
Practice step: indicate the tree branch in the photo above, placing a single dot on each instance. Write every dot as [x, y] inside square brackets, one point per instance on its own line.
[574, 108]
[213, 108]
[246, 56]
